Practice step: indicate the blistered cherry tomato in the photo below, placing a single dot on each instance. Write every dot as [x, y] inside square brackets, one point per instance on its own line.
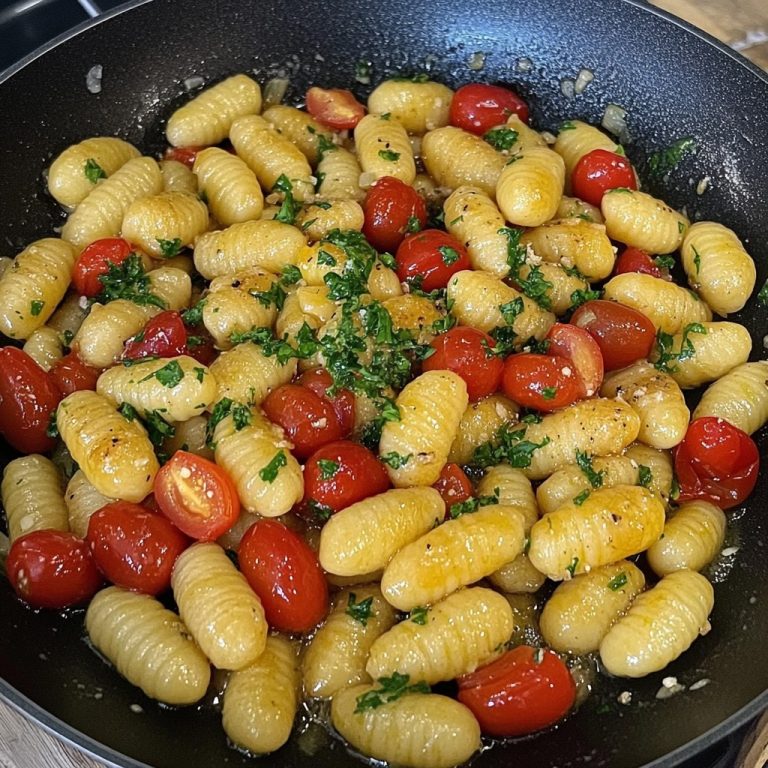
[716, 462]
[597, 172]
[478, 107]
[582, 350]
[543, 382]
[335, 107]
[454, 486]
[71, 374]
[523, 691]
[340, 474]
[52, 569]
[197, 496]
[623, 334]
[185, 155]
[343, 401]
[636, 260]
[95, 261]
[28, 398]
[286, 575]
[466, 352]
[134, 548]
[392, 208]
[163, 336]
[430, 257]
[309, 420]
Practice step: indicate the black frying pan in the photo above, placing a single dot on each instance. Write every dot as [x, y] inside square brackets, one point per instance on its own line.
[673, 81]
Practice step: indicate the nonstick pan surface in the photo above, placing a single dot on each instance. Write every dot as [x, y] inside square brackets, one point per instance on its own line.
[673, 82]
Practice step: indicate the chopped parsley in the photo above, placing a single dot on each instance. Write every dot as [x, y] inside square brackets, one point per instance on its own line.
[389, 155]
[395, 460]
[199, 373]
[508, 447]
[169, 248]
[36, 307]
[448, 255]
[413, 225]
[665, 261]
[584, 462]
[289, 208]
[667, 358]
[582, 497]
[194, 315]
[93, 171]
[290, 275]
[275, 295]
[579, 297]
[533, 285]
[326, 259]
[644, 476]
[129, 281]
[472, 504]
[419, 615]
[320, 511]
[662, 162]
[762, 296]
[169, 375]
[269, 473]
[128, 412]
[696, 259]
[241, 417]
[328, 468]
[572, 566]
[567, 125]
[502, 139]
[52, 430]
[324, 144]
[618, 581]
[549, 393]
[158, 429]
[390, 689]
[359, 611]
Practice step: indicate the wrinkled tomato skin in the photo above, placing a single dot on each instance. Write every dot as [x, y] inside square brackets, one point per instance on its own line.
[163, 336]
[716, 462]
[185, 155]
[389, 206]
[576, 345]
[71, 374]
[197, 496]
[286, 575]
[478, 107]
[359, 475]
[334, 107]
[28, 397]
[309, 421]
[95, 260]
[517, 694]
[343, 402]
[52, 569]
[454, 486]
[134, 548]
[623, 334]
[599, 171]
[420, 256]
[465, 351]
[543, 382]
[635, 260]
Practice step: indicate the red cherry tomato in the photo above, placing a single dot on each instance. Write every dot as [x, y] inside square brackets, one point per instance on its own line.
[465, 351]
[335, 107]
[28, 397]
[95, 260]
[134, 548]
[185, 155]
[523, 691]
[597, 172]
[636, 260]
[71, 374]
[340, 474]
[309, 420]
[716, 462]
[163, 336]
[623, 334]
[543, 382]
[200, 344]
[284, 572]
[343, 402]
[478, 107]
[454, 486]
[391, 207]
[582, 350]
[52, 569]
[197, 496]
[432, 256]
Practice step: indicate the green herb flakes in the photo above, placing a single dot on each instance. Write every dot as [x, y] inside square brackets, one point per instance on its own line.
[390, 689]
[618, 581]
[289, 207]
[359, 611]
[389, 155]
[169, 375]
[448, 255]
[502, 139]
[129, 281]
[644, 476]
[36, 307]
[169, 248]
[328, 468]
[582, 497]
[396, 460]
[573, 566]
[549, 393]
[269, 473]
[419, 615]
[662, 162]
[93, 171]
[584, 462]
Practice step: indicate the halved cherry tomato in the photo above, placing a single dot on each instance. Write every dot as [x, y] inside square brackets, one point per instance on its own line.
[597, 172]
[197, 496]
[95, 261]
[635, 260]
[309, 420]
[543, 382]
[343, 401]
[523, 691]
[391, 208]
[431, 256]
[200, 344]
[623, 334]
[582, 350]
[335, 107]
[286, 575]
[28, 398]
[134, 548]
[454, 486]
[716, 462]
[478, 107]
[340, 474]
[185, 155]
[52, 569]
[466, 352]
[163, 336]
[71, 374]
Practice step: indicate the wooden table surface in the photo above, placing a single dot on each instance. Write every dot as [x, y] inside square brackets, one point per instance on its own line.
[742, 24]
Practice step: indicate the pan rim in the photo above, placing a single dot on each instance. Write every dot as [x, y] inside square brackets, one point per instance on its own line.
[100, 751]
